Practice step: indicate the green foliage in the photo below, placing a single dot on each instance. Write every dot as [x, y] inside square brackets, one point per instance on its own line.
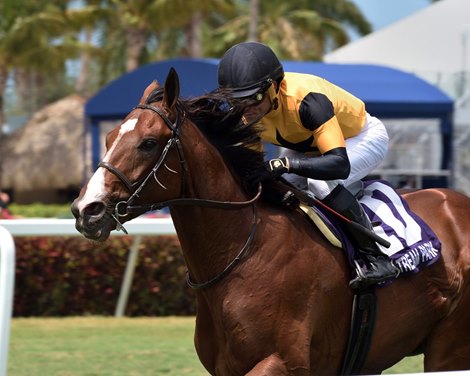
[38, 210]
[63, 276]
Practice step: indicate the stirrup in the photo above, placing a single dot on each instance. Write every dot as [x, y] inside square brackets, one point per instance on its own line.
[357, 282]
[361, 281]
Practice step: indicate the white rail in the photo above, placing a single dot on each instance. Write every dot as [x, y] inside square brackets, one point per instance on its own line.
[138, 227]
[7, 280]
[418, 175]
[66, 227]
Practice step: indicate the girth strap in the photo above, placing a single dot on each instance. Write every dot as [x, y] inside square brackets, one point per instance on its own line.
[360, 335]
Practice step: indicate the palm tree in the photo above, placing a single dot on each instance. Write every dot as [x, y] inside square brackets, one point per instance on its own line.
[8, 12]
[298, 29]
[192, 18]
[41, 42]
[145, 30]
[35, 42]
[85, 20]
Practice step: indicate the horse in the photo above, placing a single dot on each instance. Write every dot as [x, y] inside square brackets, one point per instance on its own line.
[272, 293]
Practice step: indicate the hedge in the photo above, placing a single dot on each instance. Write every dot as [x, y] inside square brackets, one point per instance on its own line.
[69, 276]
[38, 210]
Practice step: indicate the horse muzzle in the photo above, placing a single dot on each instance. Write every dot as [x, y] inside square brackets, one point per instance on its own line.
[93, 220]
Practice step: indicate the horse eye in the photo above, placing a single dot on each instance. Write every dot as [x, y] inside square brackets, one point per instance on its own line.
[148, 144]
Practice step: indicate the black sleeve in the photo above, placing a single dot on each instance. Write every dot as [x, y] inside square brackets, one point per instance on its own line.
[315, 110]
[332, 165]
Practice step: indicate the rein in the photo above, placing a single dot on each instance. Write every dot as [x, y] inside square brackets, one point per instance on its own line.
[235, 261]
[123, 208]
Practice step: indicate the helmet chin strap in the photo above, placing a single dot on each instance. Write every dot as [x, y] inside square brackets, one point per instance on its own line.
[272, 95]
[274, 104]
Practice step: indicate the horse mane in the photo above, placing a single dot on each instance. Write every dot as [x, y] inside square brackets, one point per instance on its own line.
[238, 143]
[222, 125]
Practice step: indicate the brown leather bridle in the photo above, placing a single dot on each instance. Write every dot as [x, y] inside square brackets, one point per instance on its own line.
[123, 208]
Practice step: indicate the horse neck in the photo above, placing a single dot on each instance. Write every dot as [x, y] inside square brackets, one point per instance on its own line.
[210, 237]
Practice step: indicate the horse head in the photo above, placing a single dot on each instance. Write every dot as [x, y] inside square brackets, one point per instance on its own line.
[142, 157]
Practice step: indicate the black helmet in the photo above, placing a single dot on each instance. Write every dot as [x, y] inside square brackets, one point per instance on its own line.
[249, 67]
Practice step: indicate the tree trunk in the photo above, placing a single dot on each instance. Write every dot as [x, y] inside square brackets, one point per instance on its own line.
[41, 100]
[24, 85]
[193, 36]
[3, 84]
[81, 83]
[136, 41]
[254, 17]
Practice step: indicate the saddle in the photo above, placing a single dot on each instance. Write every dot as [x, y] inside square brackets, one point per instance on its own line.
[413, 244]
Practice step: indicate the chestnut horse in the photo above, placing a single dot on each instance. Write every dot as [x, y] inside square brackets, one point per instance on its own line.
[272, 292]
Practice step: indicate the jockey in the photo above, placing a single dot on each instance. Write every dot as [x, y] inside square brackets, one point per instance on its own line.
[329, 139]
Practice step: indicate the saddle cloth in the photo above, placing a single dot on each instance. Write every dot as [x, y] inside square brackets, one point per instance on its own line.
[413, 243]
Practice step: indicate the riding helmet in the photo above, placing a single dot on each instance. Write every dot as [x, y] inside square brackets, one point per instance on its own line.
[248, 68]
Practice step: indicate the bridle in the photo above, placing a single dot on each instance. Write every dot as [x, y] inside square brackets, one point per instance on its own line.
[124, 208]
[136, 187]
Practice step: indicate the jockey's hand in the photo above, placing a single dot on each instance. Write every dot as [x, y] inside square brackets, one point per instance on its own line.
[276, 167]
[272, 169]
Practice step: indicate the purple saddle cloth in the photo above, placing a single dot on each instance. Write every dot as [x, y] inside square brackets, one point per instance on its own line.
[413, 243]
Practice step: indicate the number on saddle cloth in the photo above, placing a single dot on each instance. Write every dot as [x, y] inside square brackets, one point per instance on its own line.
[413, 243]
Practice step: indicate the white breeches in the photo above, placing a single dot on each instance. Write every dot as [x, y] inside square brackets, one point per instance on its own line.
[365, 151]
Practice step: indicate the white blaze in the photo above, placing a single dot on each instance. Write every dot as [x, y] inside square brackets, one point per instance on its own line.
[95, 188]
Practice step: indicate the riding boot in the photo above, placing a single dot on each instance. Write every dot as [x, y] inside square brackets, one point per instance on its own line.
[379, 266]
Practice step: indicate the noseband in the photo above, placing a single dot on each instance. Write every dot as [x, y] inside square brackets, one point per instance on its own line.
[124, 208]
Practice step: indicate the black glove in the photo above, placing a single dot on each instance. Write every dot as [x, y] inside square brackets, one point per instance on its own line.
[276, 167]
[272, 169]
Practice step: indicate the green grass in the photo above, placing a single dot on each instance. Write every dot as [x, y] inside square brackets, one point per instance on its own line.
[105, 346]
[412, 364]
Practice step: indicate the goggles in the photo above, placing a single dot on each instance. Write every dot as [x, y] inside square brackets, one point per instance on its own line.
[257, 97]
[253, 99]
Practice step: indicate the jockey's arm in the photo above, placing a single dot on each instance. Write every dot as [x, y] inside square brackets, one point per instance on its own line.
[332, 165]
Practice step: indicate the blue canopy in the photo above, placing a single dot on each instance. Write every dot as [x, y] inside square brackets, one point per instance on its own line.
[387, 92]
[117, 99]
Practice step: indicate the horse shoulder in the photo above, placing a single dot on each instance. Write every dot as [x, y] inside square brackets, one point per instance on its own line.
[306, 272]
[288, 278]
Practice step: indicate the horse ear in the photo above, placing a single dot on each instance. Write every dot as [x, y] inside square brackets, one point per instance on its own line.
[154, 85]
[172, 88]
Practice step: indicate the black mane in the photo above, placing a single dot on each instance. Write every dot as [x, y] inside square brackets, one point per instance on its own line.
[238, 143]
[223, 126]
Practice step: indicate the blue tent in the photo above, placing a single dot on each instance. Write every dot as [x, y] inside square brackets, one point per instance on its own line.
[118, 98]
[387, 92]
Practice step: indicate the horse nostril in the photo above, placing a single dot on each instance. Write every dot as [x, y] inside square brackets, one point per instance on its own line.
[95, 210]
[74, 209]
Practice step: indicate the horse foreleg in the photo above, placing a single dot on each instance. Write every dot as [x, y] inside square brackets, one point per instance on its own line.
[273, 365]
